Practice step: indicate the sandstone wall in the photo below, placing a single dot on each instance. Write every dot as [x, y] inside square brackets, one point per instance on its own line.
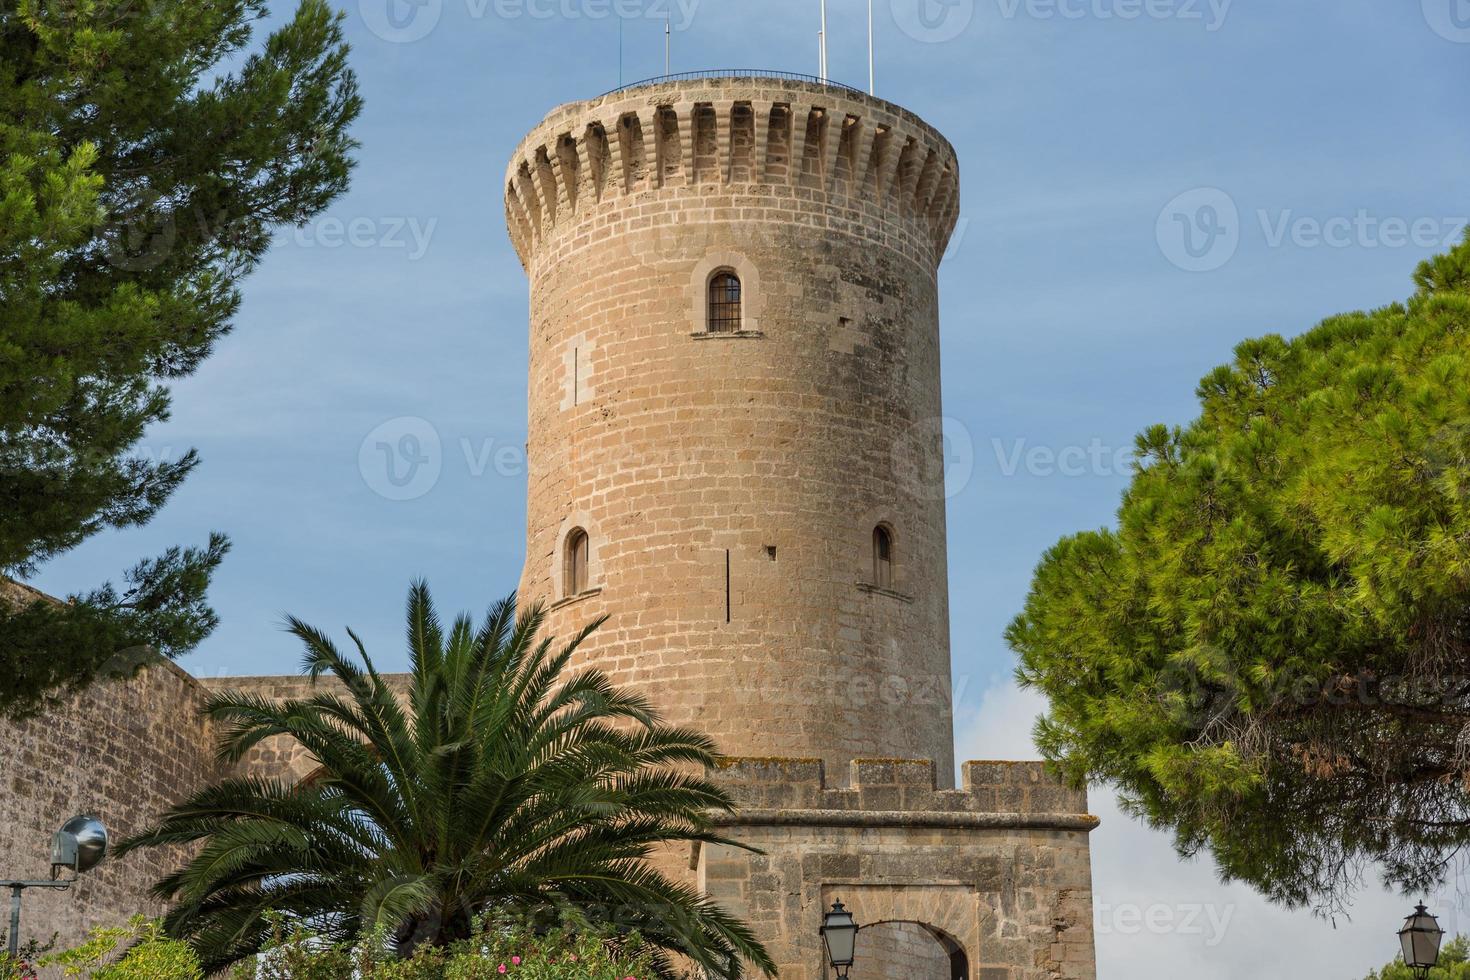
[997, 871]
[730, 482]
[124, 750]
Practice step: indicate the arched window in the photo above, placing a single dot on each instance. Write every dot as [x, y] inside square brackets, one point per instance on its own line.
[882, 557]
[724, 302]
[576, 563]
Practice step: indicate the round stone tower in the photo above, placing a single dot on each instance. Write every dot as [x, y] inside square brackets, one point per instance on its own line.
[735, 445]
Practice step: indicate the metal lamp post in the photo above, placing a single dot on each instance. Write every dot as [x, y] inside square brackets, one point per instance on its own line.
[1420, 938]
[80, 845]
[839, 935]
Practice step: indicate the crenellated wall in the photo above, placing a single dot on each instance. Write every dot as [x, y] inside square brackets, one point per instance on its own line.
[988, 882]
[991, 793]
[857, 162]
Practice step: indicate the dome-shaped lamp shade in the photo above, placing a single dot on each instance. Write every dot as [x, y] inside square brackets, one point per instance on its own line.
[1420, 937]
[839, 933]
[80, 845]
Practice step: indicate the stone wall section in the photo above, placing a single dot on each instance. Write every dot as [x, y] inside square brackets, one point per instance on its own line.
[122, 749]
[998, 869]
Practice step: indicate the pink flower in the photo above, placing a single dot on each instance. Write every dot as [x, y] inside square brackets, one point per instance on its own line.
[515, 961]
[572, 957]
[502, 968]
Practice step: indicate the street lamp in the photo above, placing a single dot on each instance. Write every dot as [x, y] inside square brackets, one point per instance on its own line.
[1420, 937]
[80, 845]
[839, 934]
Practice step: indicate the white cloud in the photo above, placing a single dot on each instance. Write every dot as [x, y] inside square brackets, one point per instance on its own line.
[1159, 917]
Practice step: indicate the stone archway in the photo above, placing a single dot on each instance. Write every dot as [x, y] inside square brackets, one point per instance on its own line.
[912, 932]
[900, 950]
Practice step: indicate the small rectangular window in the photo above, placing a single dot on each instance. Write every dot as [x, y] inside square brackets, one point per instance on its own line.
[724, 303]
[882, 558]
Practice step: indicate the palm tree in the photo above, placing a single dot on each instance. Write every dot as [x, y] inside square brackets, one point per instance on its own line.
[503, 788]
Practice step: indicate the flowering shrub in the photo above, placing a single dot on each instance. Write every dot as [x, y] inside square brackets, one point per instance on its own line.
[24, 967]
[494, 955]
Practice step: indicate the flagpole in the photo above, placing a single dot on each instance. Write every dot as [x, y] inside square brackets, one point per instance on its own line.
[871, 88]
[667, 63]
[823, 61]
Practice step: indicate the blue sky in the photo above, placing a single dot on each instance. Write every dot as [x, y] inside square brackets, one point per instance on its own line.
[1145, 183]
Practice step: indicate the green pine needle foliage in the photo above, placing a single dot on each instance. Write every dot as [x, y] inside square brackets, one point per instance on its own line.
[148, 152]
[1270, 654]
[502, 785]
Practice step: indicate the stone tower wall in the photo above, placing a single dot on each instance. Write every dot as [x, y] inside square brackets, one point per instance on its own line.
[730, 482]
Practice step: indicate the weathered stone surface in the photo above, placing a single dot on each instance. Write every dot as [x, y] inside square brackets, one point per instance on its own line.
[124, 750]
[730, 482]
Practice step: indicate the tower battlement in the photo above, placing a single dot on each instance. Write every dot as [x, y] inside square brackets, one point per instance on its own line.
[992, 793]
[744, 145]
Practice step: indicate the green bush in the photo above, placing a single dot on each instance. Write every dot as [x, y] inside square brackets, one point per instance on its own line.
[149, 955]
[1454, 964]
[23, 968]
[298, 955]
[495, 954]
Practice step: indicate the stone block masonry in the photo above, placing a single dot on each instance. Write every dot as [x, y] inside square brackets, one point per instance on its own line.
[991, 881]
[124, 750]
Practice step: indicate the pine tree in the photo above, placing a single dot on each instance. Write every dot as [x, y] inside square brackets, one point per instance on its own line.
[137, 188]
[1268, 654]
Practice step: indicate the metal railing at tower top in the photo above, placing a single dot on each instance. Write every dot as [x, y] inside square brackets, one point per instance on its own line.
[753, 73]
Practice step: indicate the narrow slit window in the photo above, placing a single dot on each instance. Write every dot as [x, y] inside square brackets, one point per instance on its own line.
[882, 558]
[724, 303]
[576, 563]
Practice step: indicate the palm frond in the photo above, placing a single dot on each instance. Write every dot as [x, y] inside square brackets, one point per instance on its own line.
[506, 783]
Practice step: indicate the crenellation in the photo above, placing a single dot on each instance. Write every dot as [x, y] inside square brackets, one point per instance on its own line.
[908, 785]
[797, 137]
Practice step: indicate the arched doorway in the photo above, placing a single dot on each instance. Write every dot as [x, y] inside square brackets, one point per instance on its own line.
[905, 950]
